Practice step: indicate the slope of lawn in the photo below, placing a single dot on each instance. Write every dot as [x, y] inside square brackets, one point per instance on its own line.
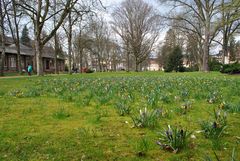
[97, 116]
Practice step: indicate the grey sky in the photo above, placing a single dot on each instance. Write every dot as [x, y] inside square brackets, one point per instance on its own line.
[111, 4]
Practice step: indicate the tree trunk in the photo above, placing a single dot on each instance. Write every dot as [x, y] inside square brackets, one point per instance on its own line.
[39, 60]
[17, 40]
[224, 49]
[19, 65]
[70, 43]
[55, 55]
[2, 61]
[55, 40]
[136, 65]
[99, 64]
[205, 67]
[128, 61]
[81, 59]
[205, 57]
[2, 56]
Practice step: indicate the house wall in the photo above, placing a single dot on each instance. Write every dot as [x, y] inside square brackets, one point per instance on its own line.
[48, 65]
[10, 63]
[61, 65]
[153, 67]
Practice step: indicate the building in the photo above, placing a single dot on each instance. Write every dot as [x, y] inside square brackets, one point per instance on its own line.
[28, 56]
[48, 57]
[153, 65]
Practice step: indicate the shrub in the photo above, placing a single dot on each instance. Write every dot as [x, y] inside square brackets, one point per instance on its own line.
[214, 65]
[146, 118]
[231, 68]
[174, 139]
[191, 69]
[89, 71]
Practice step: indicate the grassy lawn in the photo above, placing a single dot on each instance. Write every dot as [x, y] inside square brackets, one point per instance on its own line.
[97, 116]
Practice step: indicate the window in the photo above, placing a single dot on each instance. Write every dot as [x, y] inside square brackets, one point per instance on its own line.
[22, 62]
[47, 64]
[5, 62]
[12, 62]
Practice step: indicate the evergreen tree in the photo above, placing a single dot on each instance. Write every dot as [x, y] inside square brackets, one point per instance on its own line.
[165, 50]
[25, 40]
[174, 61]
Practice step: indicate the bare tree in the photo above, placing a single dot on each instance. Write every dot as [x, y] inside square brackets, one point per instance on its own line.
[198, 17]
[230, 23]
[74, 17]
[39, 13]
[81, 44]
[138, 25]
[14, 17]
[100, 36]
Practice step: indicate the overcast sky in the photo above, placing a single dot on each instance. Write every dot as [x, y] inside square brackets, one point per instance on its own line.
[116, 2]
[111, 4]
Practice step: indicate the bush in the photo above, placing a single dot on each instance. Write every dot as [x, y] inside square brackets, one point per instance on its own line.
[191, 69]
[89, 71]
[231, 68]
[66, 68]
[214, 65]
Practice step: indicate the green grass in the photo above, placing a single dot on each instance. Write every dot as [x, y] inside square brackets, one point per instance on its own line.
[74, 117]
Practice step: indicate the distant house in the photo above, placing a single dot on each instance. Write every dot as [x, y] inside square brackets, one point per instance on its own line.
[219, 57]
[153, 64]
[48, 57]
[28, 56]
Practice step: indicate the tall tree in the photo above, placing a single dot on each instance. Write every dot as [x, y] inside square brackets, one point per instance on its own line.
[2, 31]
[14, 17]
[100, 33]
[39, 13]
[171, 40]
[175, 60]
[198, 17]
[25, 39]
[230, 16]
[193, 51]
[137, 24]
[74, 17]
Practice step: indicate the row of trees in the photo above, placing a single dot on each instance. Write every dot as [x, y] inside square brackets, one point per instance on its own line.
[199, 26]
[46, 17]
[132, 35]
[89, 36]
